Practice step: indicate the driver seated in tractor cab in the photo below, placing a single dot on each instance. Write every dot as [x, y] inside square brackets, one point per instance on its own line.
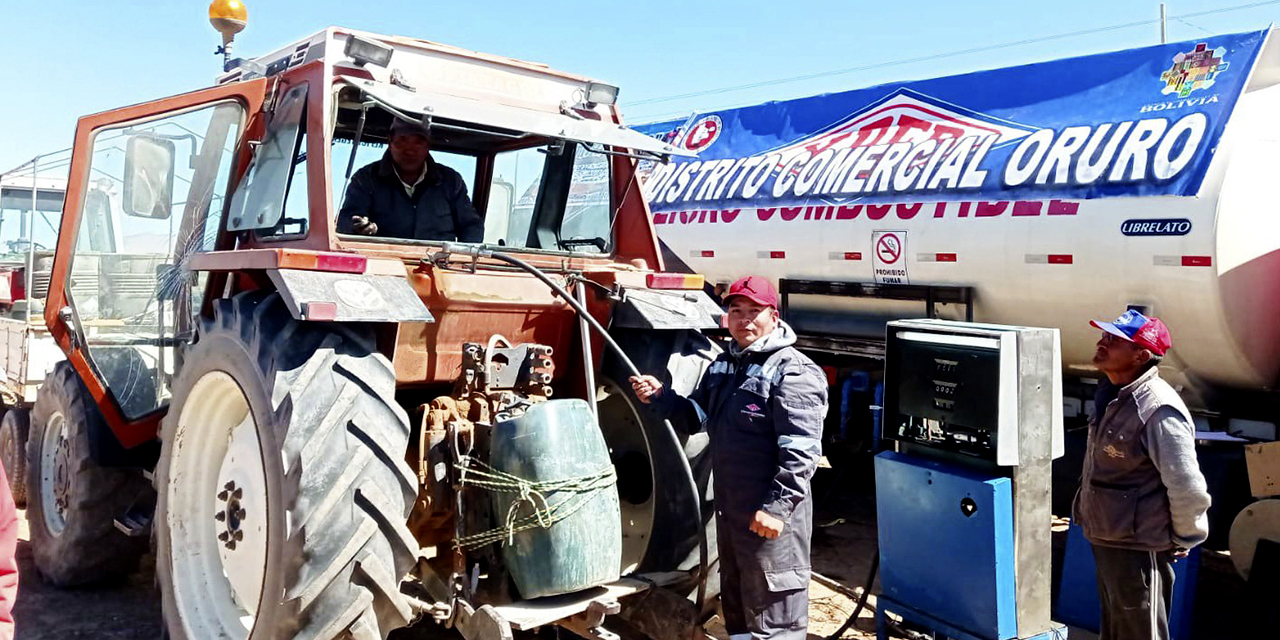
[408, 195]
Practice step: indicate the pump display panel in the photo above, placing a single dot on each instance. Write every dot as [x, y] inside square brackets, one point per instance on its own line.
[945, 392]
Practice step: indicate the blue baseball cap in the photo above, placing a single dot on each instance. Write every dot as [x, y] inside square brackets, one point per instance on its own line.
[1148, 333]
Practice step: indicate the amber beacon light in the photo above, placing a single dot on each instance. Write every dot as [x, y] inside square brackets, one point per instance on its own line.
[228, 17]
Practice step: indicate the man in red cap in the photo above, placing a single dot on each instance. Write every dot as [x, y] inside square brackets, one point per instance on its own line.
[763, 404]
[1142, 501]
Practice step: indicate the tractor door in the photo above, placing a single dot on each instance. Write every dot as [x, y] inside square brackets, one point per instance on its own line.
[148, 187]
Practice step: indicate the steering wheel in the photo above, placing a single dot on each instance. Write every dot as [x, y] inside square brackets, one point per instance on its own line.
[599, 243]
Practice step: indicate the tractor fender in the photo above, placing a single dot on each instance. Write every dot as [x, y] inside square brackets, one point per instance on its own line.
[666, 309]
[348, 297]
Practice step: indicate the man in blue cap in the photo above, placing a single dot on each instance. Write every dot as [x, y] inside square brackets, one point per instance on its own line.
[763, 404]
[1142, 501]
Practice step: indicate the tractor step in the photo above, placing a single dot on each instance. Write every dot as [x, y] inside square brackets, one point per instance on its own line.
[136, 522]
[531, 614]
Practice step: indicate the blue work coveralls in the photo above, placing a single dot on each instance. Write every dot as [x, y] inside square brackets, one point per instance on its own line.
[763, 408]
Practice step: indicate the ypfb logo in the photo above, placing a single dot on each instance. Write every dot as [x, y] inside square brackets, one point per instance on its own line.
[703, 132]
[1193, 70]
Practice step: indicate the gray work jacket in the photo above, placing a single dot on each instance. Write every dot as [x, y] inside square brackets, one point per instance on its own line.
[1142, 487]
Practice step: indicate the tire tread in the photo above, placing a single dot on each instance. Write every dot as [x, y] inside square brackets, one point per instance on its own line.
[326, 381]
[90, 549]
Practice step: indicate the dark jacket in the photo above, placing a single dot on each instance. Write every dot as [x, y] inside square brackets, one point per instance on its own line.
[438, 210]
[1142, 487]
[763, 409]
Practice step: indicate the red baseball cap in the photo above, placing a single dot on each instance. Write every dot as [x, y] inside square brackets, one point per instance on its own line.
[757, 289]
[1148, 333]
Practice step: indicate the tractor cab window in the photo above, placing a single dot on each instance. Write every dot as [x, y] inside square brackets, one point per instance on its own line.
[397, 186]
[571, 213]
[369, 155]
[272, 199]
[155, 197]
[521, 190]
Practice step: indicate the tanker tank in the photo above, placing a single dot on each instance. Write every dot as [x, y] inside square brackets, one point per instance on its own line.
[1059, 192]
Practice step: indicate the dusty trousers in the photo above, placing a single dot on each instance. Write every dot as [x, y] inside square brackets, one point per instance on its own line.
[757, 602]
[1135, 589]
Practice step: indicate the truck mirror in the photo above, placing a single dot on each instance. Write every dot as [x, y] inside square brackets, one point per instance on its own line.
[148, 177]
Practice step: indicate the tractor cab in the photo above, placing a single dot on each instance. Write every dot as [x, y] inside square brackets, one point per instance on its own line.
[256, 170]
[539, 150]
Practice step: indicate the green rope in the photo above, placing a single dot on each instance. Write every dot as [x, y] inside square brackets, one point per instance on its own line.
[580, 490]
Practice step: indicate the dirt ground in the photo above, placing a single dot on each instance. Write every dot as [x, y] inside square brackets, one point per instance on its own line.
[131, 609]
[125, 611]
[844, 539]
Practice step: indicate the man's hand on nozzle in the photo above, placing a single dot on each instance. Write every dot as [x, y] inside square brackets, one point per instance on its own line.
[646, 387]
[363, 226]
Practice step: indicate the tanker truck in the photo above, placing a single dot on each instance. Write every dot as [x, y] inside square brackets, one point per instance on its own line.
[1047, 195]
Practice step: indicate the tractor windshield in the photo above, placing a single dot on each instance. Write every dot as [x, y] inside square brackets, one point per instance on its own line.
[512, 207]
[505, 186]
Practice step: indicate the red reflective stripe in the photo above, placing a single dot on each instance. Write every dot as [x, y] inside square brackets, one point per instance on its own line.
[341, 263]
[777, 255]
[1197, 261]
[946, 257]
[1060, 258]
[706, 254]
[315, 261]
[853, 255]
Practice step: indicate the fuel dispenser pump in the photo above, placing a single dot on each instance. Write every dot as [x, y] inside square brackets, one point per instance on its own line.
[972, 422]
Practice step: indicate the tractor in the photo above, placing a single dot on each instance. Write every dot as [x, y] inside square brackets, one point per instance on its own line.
[324, 435]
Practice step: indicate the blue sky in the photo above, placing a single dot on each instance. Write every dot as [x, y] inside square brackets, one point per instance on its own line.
[66, 59]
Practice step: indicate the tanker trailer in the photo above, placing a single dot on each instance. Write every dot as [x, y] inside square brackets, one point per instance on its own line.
[1044, 195]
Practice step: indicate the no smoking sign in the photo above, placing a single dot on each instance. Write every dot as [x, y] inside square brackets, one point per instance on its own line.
[888, 247]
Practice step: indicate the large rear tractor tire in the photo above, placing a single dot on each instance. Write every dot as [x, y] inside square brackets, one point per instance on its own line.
[14, 428]
[660, 530]
[283, 490]
[72, 501]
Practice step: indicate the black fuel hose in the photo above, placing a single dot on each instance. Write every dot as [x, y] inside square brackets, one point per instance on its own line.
[862, 600]
[703, 552]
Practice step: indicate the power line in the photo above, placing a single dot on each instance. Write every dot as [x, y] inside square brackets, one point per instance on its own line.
[1194, 26]
[935, 56]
